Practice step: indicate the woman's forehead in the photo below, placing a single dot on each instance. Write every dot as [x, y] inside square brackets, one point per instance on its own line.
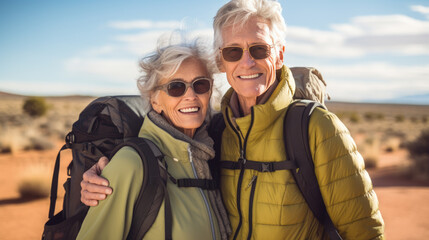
[188, 70]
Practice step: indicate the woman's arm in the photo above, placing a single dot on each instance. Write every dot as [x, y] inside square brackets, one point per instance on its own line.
[111, 219]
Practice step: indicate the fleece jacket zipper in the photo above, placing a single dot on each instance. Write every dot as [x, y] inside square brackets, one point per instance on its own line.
[243, 160]
[203, 196]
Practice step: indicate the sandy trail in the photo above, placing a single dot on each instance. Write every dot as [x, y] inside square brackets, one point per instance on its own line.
[403, 202]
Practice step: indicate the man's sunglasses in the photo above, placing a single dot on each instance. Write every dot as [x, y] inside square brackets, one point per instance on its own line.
[257, 51]
[178, 88]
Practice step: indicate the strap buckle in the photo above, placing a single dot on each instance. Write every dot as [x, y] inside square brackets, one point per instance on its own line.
[70, 139]
[267, 167]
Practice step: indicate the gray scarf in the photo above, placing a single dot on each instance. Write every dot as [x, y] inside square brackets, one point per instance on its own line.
[201, 147]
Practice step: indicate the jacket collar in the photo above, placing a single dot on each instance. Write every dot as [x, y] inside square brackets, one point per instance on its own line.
[265, 113]
[158, 130]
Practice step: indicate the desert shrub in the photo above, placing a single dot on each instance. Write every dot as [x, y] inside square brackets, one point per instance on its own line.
[39, 143]
[35, 182]
[371, 161]
[35, 106]
[370, 116]
[424, 119]
[354, 117]
[414, 119]
[12, 139]
[399, 118]
[419, 152]
[370, 149]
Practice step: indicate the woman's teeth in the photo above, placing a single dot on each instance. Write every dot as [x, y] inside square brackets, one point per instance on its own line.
[189, 110]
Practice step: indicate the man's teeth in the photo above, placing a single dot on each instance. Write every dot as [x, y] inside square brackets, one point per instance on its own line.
[250, 76]
[188, 110]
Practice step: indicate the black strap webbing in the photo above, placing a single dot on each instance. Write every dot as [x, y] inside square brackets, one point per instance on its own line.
[206, 184]
[259, 166]
[298, 150]
[54, 185]
[154, 187]
[168, 216]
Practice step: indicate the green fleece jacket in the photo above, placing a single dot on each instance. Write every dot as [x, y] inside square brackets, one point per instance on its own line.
[192, 214]
[269, 205]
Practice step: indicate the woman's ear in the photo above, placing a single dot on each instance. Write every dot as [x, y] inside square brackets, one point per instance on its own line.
[280, 57]
[154, 102]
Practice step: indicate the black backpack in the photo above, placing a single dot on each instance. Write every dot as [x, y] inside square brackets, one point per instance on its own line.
[299, 162]
[104, 126]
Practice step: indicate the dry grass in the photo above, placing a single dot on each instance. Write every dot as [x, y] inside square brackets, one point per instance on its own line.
[19, 132]
[376, 128]
[35, 182]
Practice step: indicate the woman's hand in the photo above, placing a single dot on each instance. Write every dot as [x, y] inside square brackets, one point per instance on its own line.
[94, 187]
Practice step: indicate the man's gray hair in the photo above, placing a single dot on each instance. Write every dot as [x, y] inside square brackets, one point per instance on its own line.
[164, 63]
[239, 12]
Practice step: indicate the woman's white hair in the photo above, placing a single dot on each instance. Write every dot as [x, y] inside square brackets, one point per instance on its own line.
[165, 61]
[239, 12]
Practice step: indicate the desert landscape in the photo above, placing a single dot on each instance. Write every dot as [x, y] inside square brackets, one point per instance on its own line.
[383, 133]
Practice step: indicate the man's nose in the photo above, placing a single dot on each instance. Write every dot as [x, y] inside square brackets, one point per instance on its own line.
[247, 59]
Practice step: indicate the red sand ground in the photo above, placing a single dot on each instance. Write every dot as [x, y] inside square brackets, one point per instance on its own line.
[404, 203]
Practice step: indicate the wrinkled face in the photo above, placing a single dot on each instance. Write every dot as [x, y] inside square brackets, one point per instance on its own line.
[250, 77]
[186, 112]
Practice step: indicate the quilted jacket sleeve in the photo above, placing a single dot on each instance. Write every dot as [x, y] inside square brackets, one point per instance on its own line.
[345, 185]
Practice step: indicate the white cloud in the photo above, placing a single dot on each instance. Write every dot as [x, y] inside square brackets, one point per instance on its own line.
[374, 80]
[103, 50]
[421, 9]
[142, 43]
[364, 35]
[59, 88]
[112, 69]
[145, 24]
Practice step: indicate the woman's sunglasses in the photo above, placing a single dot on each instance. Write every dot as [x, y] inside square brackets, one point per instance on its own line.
[178, 88]
[257, 51]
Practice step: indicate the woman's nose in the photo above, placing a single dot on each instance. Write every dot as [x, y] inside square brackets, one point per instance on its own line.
[190, 93]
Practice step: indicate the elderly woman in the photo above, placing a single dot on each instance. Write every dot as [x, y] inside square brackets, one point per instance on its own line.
[176, 86]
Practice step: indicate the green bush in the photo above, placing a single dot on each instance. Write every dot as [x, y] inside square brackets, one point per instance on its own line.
[35, 106]
[419, 152]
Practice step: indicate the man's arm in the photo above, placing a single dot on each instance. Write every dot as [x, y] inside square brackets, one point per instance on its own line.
[94, 187]
[344, 183]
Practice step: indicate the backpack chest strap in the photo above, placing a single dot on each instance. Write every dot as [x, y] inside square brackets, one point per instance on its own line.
[258, 166]
[206, 184]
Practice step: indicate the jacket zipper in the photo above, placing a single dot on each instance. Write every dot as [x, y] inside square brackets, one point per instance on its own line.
[243, 159]
[203, 196]
[252, 196]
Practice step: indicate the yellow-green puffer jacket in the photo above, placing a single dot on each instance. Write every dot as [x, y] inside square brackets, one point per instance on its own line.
[269, 205]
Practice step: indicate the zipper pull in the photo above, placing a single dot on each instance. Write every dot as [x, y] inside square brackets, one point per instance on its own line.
[242, 157]
[251, 181]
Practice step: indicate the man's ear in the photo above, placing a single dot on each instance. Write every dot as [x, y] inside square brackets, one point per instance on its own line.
[280, 57]
[219, 64]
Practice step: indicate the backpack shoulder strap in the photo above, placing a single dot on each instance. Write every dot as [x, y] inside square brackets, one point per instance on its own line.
[215, 130]
[298, 150]
[153, 191]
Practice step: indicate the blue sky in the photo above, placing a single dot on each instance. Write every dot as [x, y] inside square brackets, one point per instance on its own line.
[365, 50]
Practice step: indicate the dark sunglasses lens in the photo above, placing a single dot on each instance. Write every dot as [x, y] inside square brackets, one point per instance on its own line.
[259, 51]
[201, 86]
[232, 54]
[176, 89]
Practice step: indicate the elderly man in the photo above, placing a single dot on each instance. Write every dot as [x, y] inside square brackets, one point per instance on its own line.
[249, 40]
